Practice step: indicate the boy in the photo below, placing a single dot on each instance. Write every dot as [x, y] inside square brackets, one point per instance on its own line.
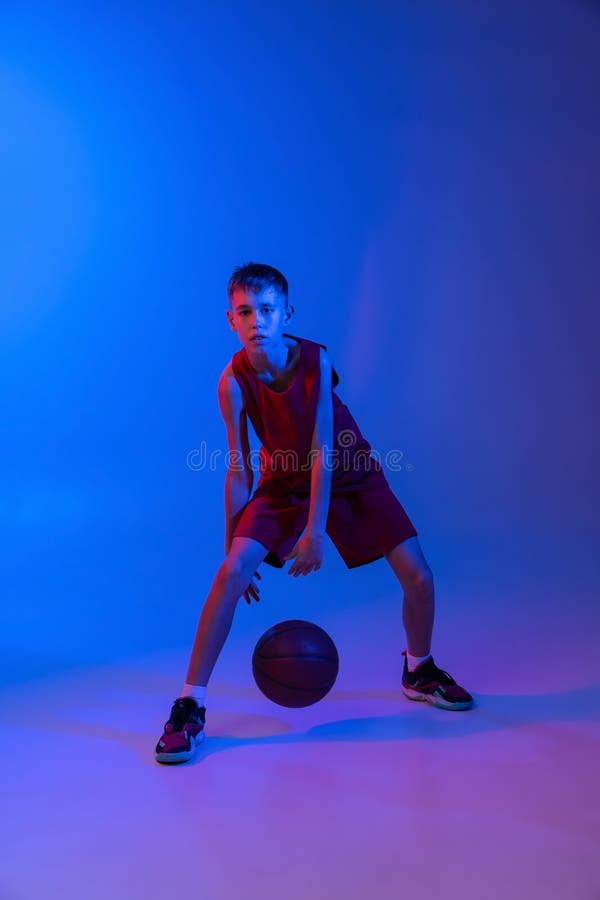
[317, 477]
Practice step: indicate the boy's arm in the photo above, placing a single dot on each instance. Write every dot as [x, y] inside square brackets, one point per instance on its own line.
[322, 441]
[239, 477]
[308, 550]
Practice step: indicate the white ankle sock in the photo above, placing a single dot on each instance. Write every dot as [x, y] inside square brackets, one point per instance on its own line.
[197, 691]
[414, 661]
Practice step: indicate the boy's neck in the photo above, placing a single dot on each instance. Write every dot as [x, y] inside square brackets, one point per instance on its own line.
[273, 359]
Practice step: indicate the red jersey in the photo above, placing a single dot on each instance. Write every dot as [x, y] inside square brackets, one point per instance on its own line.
[284, 422]
[365, 519]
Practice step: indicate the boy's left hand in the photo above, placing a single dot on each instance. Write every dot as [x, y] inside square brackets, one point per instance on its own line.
[308, 551]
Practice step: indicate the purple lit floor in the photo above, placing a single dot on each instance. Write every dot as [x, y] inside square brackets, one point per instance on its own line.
[365, 794]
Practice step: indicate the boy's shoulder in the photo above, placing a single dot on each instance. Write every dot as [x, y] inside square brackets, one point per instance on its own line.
[227, 385]
[227, 371]
[320, 350]
[321, 357]
[228, 381]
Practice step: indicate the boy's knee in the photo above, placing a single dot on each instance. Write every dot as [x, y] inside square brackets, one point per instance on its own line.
[234, 569]
[420, 577]
[423, 577]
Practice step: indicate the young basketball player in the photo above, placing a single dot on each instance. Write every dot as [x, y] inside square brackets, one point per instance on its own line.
[317, 477]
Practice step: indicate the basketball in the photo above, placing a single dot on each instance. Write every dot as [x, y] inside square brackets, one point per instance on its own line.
[295, 663]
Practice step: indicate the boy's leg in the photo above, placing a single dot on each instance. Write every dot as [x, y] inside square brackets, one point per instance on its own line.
[231, 580]
[184, 730]
[426, 681]
[415, 576]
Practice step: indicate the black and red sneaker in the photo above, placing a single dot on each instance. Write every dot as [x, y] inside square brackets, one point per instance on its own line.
[184, 732]
[434, 686]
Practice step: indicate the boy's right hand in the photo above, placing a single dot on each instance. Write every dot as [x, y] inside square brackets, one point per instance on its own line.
[252, 590]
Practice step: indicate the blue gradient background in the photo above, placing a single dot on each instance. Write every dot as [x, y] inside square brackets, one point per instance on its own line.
[426, 176]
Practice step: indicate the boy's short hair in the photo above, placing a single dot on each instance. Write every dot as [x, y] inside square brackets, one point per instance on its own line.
[256, 276]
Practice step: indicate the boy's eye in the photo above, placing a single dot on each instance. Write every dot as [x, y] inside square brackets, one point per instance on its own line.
[264, 309]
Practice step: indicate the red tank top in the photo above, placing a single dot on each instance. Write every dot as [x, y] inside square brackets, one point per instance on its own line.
[284, 422]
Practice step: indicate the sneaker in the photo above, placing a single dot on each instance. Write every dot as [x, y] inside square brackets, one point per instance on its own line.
[433, 685]
[184, 732]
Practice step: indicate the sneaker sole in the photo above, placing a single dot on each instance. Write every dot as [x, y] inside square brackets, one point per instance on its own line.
[181, 755]
[436, 700]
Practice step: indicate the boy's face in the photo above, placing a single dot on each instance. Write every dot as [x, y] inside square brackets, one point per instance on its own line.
[259, 319]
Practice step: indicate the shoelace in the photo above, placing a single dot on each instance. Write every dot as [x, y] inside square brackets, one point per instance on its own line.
[440, 674]
[179, 715]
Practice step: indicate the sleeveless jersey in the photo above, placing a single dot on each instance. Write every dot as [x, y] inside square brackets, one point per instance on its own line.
[284, 422]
